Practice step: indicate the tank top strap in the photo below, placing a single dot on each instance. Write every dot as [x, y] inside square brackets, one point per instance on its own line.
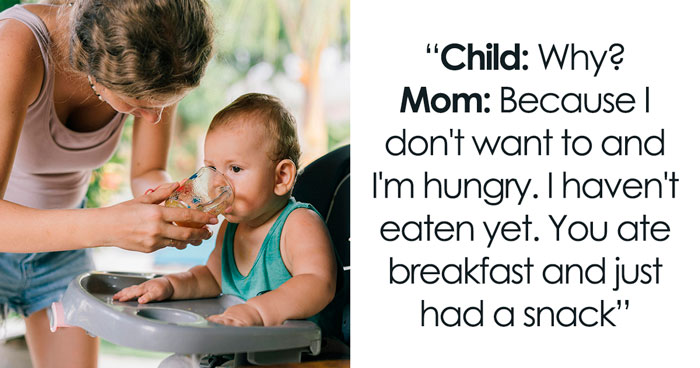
[43, 38]
[276, 229]
[271, 244]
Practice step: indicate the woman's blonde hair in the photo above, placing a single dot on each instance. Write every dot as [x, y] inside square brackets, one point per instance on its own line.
[141, 48]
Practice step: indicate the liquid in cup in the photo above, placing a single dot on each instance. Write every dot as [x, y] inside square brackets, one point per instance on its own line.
[207, 190]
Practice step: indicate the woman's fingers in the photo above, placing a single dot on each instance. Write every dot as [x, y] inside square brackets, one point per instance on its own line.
[189, 235]
[182, 245]
[188, 217]
[179, 244]
[153, 227]
[180, 227]
[159, 194]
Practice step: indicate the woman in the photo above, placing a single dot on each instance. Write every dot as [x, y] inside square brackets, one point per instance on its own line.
[70, 75]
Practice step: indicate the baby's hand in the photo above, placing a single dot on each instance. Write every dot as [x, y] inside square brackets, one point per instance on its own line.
[238, 315]
[152, 290]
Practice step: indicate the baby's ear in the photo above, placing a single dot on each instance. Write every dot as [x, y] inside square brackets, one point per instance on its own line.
[285, 174]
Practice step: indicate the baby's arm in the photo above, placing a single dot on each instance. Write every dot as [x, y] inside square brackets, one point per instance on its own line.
[197, 282]
[307, 252]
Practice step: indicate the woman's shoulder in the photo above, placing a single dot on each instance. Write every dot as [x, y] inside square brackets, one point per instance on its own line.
[39, 16]
[21, 58]
[17, 37]
[44, 11]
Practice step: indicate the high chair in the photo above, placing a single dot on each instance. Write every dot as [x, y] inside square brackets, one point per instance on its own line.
[181, 326]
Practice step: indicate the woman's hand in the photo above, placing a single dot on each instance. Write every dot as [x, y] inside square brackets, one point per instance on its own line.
[238, 315]
[152, 290]
[142, 225]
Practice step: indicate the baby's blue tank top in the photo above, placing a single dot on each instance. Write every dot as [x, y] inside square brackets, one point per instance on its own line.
[268, 271]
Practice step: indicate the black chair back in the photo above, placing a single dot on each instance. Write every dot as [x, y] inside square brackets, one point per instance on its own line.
[325, 183]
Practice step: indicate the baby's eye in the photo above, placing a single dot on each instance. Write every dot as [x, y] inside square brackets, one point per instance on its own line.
[235, 168]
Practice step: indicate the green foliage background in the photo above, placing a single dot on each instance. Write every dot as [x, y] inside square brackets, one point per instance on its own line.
[4, 4]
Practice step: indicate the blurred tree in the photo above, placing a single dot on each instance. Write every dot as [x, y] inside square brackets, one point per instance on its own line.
[4, 4]
[309, 25]
[269, 29]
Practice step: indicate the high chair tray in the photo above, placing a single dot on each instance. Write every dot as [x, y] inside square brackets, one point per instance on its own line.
[173, 326]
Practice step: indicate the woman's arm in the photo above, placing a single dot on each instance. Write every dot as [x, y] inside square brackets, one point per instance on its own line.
[149, 155]
[21, 75]
[139, 225]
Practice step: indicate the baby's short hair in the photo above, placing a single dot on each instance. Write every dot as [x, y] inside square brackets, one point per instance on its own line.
[279, 122]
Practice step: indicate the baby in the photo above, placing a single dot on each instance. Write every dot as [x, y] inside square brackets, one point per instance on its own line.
[273, 252]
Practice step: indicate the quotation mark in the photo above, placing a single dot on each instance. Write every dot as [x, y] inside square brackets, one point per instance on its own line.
[619, 304]
[428, 49]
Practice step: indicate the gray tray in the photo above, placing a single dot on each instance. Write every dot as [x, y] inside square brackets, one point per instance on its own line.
[176, 326]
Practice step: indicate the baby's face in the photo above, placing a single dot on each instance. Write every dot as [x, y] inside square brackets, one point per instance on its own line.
[240, 150]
